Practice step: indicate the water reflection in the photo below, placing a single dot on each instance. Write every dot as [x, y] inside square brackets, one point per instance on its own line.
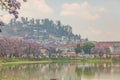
[61, 71]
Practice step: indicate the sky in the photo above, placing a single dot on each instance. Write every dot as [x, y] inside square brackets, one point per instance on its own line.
[97, 20]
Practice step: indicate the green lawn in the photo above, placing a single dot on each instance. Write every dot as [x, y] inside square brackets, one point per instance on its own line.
[55, 60]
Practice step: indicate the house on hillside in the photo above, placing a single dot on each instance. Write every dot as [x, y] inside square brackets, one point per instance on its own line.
[67, 47]
[44, 53]
[68, 54]
[68, 50]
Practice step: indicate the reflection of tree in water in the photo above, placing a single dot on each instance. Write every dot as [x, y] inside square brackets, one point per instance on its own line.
[78, 71]
[53, 67]
[23, 71]
[102, 67]
[89, 72]
[29, 71]
[84, 71]
[95, 68]
[55, 70]
[61, 71]
[8, 71]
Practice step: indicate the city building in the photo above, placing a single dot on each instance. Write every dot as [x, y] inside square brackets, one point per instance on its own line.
[114, 47]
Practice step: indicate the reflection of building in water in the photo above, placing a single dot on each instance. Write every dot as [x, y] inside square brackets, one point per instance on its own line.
[61, 71]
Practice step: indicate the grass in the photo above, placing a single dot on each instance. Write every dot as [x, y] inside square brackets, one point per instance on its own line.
[81, 60]
[26, 62]
[54, 60]
[23, 61]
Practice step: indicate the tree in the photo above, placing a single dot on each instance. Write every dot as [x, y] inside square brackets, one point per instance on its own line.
[14, 47]
[101, 50]
[87, 47]
[59, 52]
[78, 49]
[51, 51]
[11, 6]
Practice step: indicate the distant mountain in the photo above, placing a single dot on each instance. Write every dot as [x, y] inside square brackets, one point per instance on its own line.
[39, 29]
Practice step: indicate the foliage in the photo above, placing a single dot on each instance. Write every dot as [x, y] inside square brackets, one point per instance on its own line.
[87, 47]
[100, 50]
[59, 51]
[14, 47]
[11, 6]
[78, 49]
[89, 72]
[39, 29]
[78, 71]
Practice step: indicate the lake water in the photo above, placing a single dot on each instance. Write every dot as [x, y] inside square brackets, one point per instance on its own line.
[61, 71]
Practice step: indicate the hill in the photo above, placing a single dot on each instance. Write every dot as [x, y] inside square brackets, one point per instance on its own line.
[40, 30]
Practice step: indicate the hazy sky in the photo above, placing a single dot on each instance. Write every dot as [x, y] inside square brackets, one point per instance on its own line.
[95, 19]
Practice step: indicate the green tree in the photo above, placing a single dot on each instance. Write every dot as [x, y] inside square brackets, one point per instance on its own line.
[87, 46]
[59, 52]
[78, 49]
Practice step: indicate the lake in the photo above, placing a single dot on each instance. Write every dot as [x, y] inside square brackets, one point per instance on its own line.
[61, 71]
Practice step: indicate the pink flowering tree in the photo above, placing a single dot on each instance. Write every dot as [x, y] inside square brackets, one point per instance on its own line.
[101, 51]
[11, 6]
[15, 47]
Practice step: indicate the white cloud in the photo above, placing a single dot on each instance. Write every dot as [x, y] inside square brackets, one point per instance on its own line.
[70, 9]
[83, 11]
[5, 16]
[95, 31]
[35, 8]
[31, 8]
[101, 10]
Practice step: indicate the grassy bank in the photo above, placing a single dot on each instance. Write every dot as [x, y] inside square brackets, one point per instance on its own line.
[54, 60]
[82, 60]
[23, 61]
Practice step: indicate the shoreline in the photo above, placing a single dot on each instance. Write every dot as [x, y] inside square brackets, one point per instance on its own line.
[53, 60]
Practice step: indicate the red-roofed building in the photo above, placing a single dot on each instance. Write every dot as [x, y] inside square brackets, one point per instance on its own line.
[67, 47]
[73, 54]
[113, 45]
[103, 45]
